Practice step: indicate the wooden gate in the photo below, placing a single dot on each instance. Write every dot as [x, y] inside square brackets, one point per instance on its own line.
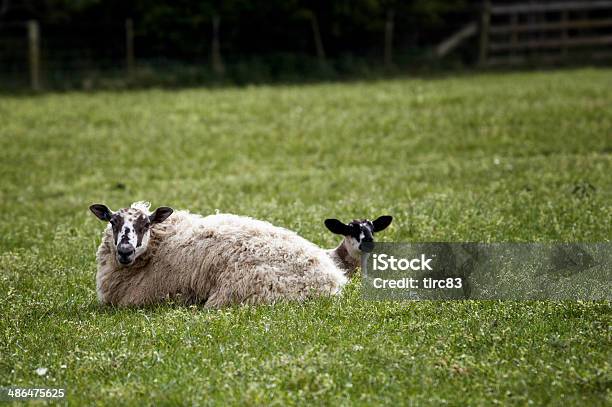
[545, 31]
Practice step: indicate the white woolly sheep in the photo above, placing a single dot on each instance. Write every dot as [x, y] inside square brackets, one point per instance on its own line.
[218, 260]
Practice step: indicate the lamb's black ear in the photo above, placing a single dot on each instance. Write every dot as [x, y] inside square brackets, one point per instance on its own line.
[101, 211]
[337, 227]
[160, 214]
[382, 223]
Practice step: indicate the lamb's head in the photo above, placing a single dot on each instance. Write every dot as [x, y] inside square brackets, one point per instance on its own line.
[358, 234]
[130, 228]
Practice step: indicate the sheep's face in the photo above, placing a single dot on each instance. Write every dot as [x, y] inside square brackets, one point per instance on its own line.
[358, 234]
[130, 228]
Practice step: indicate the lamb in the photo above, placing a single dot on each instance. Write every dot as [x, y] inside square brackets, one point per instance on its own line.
[219, 260]
[358, 238]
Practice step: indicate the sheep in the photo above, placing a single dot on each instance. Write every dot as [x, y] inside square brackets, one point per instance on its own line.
[358, 238]
[218, 260]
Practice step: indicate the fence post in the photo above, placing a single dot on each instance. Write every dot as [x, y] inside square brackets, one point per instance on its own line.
[34, 54]
[129, 46]
[389, 39]
[217, 61]
[564, 36]
[485, 19]
[316, 32]
[514, 34]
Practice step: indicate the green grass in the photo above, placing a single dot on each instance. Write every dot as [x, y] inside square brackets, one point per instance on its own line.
[492, 157]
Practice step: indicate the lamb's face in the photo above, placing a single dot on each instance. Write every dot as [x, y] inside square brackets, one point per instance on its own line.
[359, 234]
[130, 228]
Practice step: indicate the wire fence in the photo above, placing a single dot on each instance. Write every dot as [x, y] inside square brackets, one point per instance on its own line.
[186, 52]
[127, 53]
[14, 55]
[64, 57]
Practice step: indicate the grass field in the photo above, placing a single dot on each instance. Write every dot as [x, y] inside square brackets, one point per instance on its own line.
[490, 157]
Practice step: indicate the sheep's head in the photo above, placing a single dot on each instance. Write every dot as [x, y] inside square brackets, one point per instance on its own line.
[358, 234]
[131, 228]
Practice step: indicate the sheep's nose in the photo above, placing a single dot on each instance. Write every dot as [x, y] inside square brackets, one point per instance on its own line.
[125, 252]
[367, 245]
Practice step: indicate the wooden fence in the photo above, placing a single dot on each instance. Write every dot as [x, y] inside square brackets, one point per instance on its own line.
[544, 31]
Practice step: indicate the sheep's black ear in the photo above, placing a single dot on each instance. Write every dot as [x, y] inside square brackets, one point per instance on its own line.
[337, 227]
[160, 214]
[382, 223]
[101, 211]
